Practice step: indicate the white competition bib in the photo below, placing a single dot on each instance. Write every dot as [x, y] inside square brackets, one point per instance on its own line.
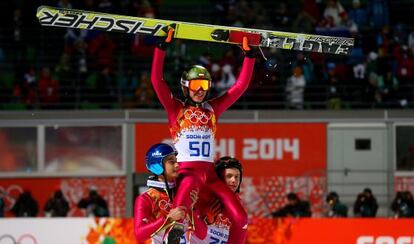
[195, 145]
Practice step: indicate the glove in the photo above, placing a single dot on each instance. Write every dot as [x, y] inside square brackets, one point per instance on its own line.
[248, 50]
[164, 42]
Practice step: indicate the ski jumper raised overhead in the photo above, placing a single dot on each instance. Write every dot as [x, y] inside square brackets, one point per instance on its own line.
[193, 125]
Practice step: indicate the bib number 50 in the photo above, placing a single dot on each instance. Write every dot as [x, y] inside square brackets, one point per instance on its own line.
[199, 149]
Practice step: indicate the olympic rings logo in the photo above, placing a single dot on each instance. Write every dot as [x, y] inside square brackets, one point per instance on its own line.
[164, 205]
[197, 116]
[23, 239]
[10, 194]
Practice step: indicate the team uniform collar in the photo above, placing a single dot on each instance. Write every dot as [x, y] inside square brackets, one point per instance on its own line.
[160, 184]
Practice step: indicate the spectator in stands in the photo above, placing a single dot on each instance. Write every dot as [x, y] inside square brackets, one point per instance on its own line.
[144, 92]
[219, 11]
[25, 205]
[335, 91]
[2, 56]
[227, 79]
[64, 4]
[2, 204]
[379, 13]
[57, 205]
[215, 77]
[405, 72]
[333, 14]
[282, 18]
[366, 204]
[63, 69]
[87, 51]
[243, 14]
[180, 57]
[411, 39]
[146, 9]
[82, 60]
[357, 58]
[295, 207]
[400, 35]
[102, 48]
[204, 59]
[19, 38]
[336, 207]
[47, 89]
[105, 6]
[106, 89]
[403, 205]
[389, 86]
[372, 91]
[128, 85]
[372, 63]
[358, 14]
[94, 204]
[384, 41]
[307, 67]
[230, 58]
[313, 8]
[304, 22]
[295, 88]
[28, 87]
[348, 24]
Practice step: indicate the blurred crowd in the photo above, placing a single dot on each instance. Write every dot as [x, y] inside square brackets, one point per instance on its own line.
[94, 205]
[365, 206]
[54, 68]
[25, 205]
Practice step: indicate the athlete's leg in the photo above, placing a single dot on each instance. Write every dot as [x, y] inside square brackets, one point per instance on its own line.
[189, 180]
[192, 178]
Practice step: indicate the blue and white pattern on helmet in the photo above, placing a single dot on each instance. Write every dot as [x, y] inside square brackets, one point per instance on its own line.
[155, 156]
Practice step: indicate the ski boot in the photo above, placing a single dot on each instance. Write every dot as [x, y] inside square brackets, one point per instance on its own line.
[174, 235]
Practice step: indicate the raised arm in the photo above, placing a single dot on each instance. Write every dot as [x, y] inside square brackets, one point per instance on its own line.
[160, 86]
[223, 102]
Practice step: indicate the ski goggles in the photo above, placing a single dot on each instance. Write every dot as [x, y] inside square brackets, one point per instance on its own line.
[198, 84]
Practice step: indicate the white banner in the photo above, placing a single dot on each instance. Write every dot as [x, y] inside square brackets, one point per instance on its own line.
[46, 230]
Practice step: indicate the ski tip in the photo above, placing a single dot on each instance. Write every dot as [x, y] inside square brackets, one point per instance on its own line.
[39, 10]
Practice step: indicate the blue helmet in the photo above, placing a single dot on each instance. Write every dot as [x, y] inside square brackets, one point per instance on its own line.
[155, 157]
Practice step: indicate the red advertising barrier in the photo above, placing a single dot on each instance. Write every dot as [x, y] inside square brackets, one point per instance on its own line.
[260, 231]
[112, 189]
[328, 231]
[265, 149]
[277, 158]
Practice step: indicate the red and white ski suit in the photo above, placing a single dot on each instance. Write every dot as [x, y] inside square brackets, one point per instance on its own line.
[193, 131]
[150, 215]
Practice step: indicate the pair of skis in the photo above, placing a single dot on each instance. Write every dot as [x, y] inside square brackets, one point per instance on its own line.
[79, 19]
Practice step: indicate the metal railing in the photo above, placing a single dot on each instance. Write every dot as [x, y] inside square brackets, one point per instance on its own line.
[268, 97]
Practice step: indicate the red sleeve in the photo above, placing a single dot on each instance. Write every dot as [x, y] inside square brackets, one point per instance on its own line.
[143, 227]
[170, 104]
[223, 102]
